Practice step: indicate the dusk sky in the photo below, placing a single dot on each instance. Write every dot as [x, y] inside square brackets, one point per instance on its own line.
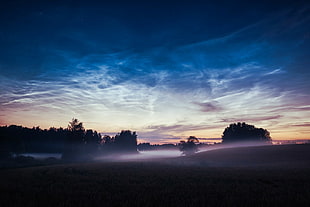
[165, 70]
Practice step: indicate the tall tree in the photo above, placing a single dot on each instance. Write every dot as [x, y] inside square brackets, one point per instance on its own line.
[74, 144]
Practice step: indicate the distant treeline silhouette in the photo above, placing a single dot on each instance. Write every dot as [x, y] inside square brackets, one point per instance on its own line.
[17, 139]
[74, 142]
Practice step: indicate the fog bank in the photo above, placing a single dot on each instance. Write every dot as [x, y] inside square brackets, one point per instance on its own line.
[143, 155]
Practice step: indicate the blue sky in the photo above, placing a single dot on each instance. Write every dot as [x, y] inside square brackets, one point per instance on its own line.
[166, 70]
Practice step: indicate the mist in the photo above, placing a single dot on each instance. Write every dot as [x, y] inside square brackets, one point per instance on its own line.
[160, 155]
[233, 145]
[141, 155]
[41, 156]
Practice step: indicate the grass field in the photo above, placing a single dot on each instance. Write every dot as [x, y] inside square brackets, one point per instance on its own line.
[248, 176]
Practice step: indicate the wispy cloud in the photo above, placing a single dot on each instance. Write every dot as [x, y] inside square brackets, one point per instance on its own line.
[306, 124]
[171, 92]
[181, 127]
[210, 106]
[252, 119]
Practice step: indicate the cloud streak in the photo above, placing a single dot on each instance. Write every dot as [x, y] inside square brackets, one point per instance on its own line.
[256, 73]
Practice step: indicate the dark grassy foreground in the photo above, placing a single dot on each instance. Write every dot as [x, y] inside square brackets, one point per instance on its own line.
[206, 179]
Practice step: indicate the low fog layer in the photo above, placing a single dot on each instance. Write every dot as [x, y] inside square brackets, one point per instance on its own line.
[236, 154]
[232, 145]
[153, 154]
[173, 153]
[43, 155]
[143, 155]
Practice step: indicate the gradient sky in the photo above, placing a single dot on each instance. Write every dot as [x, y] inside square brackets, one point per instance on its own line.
[166, 70]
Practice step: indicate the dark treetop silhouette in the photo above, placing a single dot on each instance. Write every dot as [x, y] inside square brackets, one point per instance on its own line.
[126, 141]
[73, 148]
[81, 145]
[242, 132]
[17, 139]
[189, 147]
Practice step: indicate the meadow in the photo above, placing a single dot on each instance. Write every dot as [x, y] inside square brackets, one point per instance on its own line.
[246, 176]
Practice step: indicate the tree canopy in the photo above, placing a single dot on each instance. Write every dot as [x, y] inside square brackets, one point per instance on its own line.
[126, 141]
[189, 147]
[73, 148]
[75, 143]
[242, 132]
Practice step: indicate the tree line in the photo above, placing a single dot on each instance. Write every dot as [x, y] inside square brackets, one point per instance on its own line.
[73, 142]
[77, 143]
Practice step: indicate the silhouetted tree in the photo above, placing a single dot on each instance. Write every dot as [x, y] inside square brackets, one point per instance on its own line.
[189, 147]
[107, 144]
[91, 141]
[5, 148]
[73, 141]
[126, 141]
[11, 140]
[106, 139]
[145, 146]
[73, 148]
[241, 132]
[17, 139]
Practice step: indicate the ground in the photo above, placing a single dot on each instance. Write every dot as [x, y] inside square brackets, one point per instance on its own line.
[227, 177]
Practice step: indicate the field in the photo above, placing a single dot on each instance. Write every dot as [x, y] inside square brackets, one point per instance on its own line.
[247, 176]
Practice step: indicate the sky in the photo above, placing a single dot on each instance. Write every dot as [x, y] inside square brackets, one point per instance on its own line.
[165, 69]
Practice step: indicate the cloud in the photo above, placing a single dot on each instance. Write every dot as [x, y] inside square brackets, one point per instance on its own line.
[119, 95]
[306, 124]
[245, 75]
[210, 106]
[276, 71]
[251, 119]
[177, 128]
